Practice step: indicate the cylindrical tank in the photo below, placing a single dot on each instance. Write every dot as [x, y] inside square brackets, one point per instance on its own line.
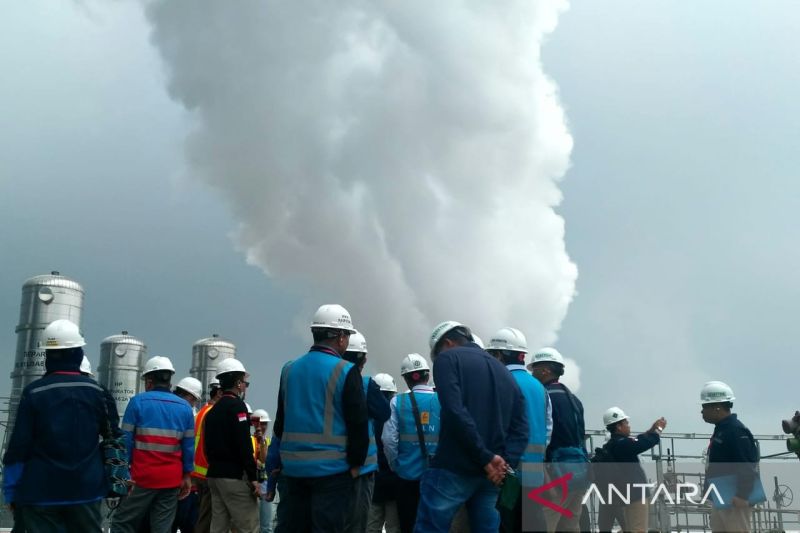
[206, 355]
[120, 368]
[44, 299]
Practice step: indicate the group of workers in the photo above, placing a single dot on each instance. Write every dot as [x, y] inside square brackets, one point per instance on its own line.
[347, 452]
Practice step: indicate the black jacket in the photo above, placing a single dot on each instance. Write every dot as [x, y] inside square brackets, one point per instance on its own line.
[626, 450]
[568, 426]
[228, 447]
[733, 451]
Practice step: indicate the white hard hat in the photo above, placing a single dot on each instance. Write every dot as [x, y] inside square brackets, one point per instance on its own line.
[413, 362]
[262, 414]
[357, 343]
[230, 365]
[614, 415]
[333, 316]
[716, 392]
[440, 330]
[510, 339]
[213, 383]
[62, 334]
[546, 355]
[192, 386]
[86, 366]
[477, 340]
[385, 382]
[157, 363]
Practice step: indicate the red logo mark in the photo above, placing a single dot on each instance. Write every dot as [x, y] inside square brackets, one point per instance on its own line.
[560, 482]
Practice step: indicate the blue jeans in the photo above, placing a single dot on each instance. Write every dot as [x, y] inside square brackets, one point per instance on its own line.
[442, 492]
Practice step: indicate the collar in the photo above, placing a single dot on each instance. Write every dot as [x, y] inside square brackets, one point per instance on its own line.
[230, 394]
[730, 419]
[422, 388]
[65, 373]
[161, 389]
[325, 349]
[517, 367]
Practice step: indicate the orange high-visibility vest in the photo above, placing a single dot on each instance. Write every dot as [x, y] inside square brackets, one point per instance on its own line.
[200, 461]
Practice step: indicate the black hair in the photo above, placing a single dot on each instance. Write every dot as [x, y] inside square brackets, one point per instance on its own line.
[160, 377]
[354, 357]
[460, 335]
[326, 334]
[228, 379]
[509, 357]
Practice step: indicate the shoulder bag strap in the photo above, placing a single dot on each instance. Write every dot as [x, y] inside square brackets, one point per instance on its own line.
[420, 435]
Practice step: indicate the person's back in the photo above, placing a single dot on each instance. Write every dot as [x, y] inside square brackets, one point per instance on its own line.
[488, 392]
[155, 429]
[53, 445]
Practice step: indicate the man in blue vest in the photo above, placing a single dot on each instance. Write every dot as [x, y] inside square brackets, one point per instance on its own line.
[484, 431]
[510, 347]
[378, 412]
[401, 436]
[321, 423]
[567, 440]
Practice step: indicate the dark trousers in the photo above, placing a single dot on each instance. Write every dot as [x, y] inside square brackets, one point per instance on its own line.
[606, 515]
[203, 522]
[407, 504]
[82, 518]
[317, 504]
[186, 514]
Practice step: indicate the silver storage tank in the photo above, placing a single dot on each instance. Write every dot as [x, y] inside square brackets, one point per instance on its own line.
[44, 299]
[120, 368]
[206, 355]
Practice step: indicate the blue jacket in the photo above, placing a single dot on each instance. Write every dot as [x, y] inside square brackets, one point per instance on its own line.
[568, 426]
[54, 457]
[378, 410]
[532, 466]
[483, 411]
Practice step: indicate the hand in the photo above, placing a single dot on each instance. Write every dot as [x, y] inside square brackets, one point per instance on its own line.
[186, 486]
[256, 489]
[354, 471]
[739, 502]
[496, 470]
[658, 425]
[258, 434]
[269, 496]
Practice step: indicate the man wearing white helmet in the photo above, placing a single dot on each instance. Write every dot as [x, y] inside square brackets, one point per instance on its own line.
[411, 435]
[259, 420]
[378, 412]
[383, 510]
[232, 471]
[159, 434]
[566, 449]
[53, 467]
[191, 390]
[732, 461]
[484, 432]
[322, 426]
[510, 347]
[199, 481]
[624, 470]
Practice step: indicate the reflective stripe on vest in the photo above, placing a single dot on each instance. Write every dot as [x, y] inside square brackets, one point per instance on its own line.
[531, 463]
[200, 461]
[371, 462]
[314, 440]
[410, 464]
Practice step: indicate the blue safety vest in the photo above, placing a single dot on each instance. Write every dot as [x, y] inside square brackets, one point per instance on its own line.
[314, 439]
[371, 463]
[410, 463]
[532, 462]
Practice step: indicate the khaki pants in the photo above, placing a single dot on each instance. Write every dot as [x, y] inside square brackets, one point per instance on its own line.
[233, 505]
[636, 517]
[559, 522]
[731, 519]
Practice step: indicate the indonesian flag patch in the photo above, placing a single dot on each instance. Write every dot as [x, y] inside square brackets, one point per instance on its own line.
[242, 417]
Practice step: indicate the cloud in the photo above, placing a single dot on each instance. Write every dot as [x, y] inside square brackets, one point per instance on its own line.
[401, 159]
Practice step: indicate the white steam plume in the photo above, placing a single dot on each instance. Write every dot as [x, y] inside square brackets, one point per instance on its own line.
[399, 158]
